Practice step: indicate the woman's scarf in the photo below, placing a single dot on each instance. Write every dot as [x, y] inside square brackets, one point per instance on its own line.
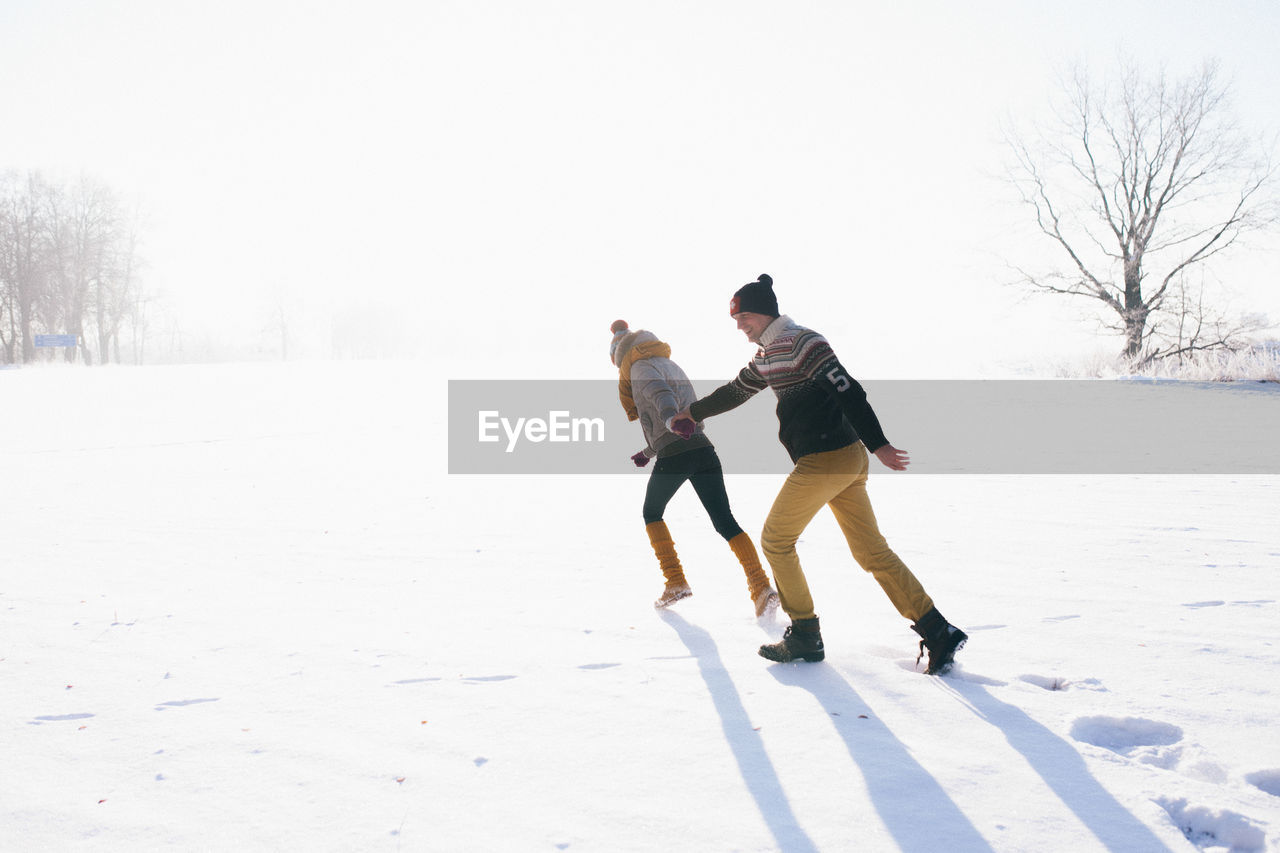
[647, 349]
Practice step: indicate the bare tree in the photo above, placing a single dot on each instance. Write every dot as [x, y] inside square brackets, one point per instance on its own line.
[59, 304]
[1138, 183]
[139, 320]
[10, 331]
[69, 263]
[24, 260]
[114, 287]
[86, 227]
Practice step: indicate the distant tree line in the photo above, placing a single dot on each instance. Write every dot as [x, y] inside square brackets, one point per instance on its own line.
[69, 265]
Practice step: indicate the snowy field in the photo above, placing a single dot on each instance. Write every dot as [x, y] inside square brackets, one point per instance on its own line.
[246, 608]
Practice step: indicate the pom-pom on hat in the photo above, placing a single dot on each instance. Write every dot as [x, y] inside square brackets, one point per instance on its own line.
[620, 330]
[756, 298]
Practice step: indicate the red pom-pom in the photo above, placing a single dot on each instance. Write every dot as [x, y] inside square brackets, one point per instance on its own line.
[618, 326]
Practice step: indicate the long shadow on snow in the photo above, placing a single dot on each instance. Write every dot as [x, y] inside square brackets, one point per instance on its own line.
[914, 807]
[1063, 770]
[748, 747]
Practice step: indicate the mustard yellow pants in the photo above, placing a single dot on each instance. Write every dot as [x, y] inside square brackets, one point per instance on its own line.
[838, 479]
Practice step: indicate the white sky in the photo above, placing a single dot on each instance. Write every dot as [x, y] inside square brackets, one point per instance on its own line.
[527, 172]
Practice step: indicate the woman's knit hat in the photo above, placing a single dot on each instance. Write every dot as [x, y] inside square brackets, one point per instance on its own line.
[620, 330]
[756, 298]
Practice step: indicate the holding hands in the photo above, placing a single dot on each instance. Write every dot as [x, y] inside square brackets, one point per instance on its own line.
[682, 424]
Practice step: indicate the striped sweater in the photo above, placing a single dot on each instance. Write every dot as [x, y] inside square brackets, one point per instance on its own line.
[820, 406]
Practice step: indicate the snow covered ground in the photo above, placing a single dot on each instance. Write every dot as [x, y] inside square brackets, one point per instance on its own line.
[246, 608]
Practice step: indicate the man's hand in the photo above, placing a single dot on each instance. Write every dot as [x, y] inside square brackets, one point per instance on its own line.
[892, 457]
[682, 424]
[640, 459]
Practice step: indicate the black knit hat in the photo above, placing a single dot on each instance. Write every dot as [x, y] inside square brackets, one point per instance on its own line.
[756, 297]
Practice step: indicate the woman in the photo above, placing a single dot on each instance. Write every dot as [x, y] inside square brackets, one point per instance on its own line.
[653, 389]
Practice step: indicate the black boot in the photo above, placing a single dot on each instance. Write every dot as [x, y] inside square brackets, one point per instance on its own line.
[941, 639]
[802, 639]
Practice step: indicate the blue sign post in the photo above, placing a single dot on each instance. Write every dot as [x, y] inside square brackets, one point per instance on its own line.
[56, 340]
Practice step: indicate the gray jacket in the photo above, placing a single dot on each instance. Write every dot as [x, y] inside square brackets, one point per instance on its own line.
[660, 390]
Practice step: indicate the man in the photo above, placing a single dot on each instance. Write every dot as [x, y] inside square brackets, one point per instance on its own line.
[827, 427]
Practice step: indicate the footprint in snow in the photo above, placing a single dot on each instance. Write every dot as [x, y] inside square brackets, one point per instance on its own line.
[1267, 781]
[59, 718]
[1215, 829]
[483, 678]
[413, 681]
[1199, 604]
[1146, 741]
[599, 665]
[182, 703]
[1046, 682]
[1057, 682]
[1061, 618]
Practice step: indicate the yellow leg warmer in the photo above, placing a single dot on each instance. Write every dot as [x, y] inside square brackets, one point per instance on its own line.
[665, 548]
[745, 550]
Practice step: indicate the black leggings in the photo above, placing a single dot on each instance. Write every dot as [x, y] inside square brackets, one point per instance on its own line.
[702, 468]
